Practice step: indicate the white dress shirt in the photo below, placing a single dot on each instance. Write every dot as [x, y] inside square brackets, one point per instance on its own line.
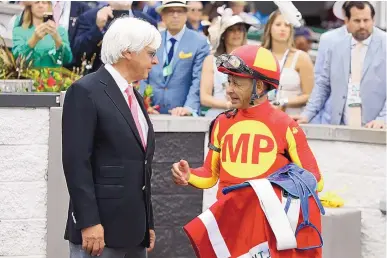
[354, 86]
[64, 13]
[123, 85]
[364, 49]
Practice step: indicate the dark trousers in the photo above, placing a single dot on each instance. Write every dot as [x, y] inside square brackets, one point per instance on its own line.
[76, 251]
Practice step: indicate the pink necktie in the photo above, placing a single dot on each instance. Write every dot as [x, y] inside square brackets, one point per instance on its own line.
[134, 109]
[56, 13]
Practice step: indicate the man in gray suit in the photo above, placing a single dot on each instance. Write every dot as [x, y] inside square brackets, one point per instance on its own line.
[354, 74]
[326, 42]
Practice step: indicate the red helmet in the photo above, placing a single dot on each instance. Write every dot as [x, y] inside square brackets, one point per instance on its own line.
[251, 61]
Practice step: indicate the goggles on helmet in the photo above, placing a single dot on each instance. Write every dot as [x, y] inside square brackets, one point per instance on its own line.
[237, 65]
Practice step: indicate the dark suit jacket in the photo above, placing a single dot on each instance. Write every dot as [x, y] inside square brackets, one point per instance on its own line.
[76, 10]
[107, 170]
[89, 36]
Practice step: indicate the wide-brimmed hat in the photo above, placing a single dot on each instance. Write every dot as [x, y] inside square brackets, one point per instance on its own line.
[227, 20]
[171, 3]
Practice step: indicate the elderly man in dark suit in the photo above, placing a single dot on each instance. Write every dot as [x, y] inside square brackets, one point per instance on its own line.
[108, 147]
[92, 25]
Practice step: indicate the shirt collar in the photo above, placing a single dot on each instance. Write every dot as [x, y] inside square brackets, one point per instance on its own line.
[346, 29]
[121, 82]
[366, 42]
[178, 36]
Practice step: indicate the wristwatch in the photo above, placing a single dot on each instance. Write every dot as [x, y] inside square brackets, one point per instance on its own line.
[283, 102]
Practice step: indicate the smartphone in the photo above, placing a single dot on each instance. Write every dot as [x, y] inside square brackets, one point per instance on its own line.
[120, 13]
[48, 16]
[117, 14]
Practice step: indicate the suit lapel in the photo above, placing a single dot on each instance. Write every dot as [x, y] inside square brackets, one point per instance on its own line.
[345, 53]
[160, 57]
[184, 42]
[115, 94]
[72, 19]
[371, 53]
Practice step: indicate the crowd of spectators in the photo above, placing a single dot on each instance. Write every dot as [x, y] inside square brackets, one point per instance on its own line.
[346, 85]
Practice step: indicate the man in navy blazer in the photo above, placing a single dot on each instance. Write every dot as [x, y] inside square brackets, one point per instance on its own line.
[92, 25]
[176, 79]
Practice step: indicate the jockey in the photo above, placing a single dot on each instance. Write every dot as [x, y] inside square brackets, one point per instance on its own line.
[253, 139]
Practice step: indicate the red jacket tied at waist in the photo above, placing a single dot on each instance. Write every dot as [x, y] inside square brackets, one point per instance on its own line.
[236, 226]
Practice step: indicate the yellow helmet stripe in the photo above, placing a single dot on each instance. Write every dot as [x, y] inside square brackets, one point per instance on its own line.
[264, 59]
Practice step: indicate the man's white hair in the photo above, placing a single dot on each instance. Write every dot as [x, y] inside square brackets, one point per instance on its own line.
[128, 34]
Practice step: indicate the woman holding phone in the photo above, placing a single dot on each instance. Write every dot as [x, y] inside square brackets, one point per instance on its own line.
[39, 38]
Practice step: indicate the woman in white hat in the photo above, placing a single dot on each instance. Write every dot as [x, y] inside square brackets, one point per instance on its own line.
[227, 33]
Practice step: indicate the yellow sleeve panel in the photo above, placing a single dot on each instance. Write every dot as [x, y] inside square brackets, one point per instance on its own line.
[301, 154]
[207, 176]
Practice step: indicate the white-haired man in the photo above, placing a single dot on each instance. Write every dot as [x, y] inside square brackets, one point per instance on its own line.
[108, 145]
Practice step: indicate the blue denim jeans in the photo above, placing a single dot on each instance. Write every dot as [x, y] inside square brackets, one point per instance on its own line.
[76, 251]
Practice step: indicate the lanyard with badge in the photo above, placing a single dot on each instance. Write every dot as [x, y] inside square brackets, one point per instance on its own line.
[167, 69]
[282, 64]
[353, 99]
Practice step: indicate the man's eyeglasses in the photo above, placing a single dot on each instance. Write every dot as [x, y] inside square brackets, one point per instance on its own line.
[171, 12]
[152, 54]
[237, 65]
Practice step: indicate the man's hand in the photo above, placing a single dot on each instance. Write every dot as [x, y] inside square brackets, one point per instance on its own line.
[103, 16]
[300, 119]
[152, 236]
[93, 240]
[180, 111]
[375, 124]
[181, 172]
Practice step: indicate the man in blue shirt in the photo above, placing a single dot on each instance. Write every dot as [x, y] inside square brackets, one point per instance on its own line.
[175, 81]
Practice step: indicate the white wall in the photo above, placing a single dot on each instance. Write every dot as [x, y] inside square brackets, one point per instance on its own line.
[23, 188]
[359, 169]
[24, 137]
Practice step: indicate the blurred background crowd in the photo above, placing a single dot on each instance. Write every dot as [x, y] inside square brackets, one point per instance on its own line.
[333, 66]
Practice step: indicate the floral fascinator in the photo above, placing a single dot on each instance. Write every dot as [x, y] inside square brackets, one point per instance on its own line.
[290, 13]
